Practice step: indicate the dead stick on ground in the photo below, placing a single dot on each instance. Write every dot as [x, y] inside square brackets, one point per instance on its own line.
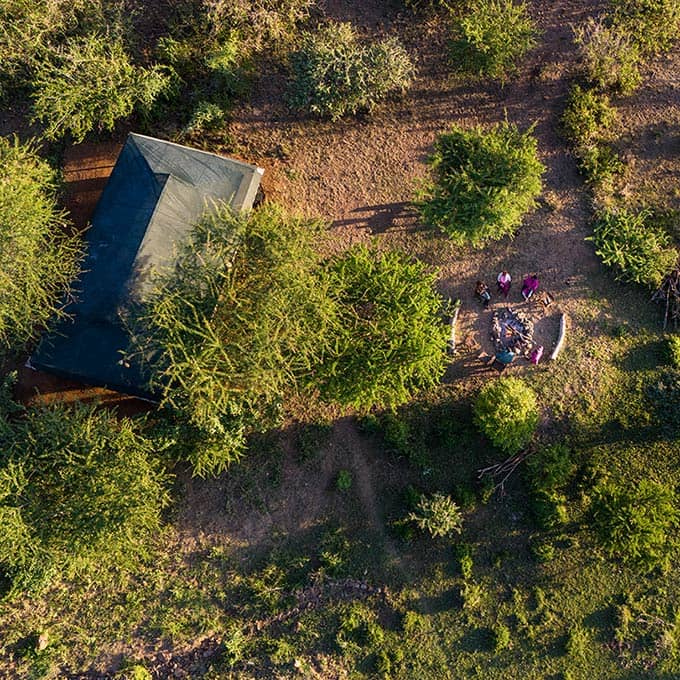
[503, 469]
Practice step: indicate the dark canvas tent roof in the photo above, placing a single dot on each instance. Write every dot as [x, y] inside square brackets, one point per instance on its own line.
[157, 191]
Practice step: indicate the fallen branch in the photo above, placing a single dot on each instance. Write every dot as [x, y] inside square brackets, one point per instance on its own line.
[503, 470]
[560, 337]
[451, 344]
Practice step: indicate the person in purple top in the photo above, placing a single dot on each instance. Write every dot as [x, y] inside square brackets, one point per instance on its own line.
[529, 286]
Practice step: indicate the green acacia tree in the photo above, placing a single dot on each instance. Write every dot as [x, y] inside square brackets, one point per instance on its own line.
[38, 259]
[239, 322]
[506, 411]
[482, 183]
[636, 523]
[334, 74]
[79, 490]
[633, 246]
[389, 340]
[492, 38]
[90, 83]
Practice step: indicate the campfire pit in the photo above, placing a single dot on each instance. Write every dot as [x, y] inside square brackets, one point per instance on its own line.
[512, 330]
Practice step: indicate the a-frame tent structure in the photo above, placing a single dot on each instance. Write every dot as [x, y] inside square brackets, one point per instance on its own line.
[156, 192]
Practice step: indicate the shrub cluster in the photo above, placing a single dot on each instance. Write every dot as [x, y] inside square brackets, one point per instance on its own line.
[632, 246]
[506, 411]
[79, 490]
[652, 24]
[609, 56]
[587, 121]
[250, 316]
[212, 48]
[334, 74]
[484, 182]
[38, 260]
[492, 38]
[636, 522]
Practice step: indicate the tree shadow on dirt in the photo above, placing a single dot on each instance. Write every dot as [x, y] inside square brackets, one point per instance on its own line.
[379, 218]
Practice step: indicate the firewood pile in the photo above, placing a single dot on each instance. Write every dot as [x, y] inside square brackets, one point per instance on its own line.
[668, 295]
[512, 330]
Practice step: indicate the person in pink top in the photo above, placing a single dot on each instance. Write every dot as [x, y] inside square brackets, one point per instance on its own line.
[504, 280]
[529, 286]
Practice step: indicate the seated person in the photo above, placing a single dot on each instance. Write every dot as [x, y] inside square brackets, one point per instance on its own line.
[482, 292]
[529, 286]
[505, 356]
[536, 355]
[504, 282]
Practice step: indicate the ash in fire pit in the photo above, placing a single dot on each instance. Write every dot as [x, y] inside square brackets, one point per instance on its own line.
[512, 330]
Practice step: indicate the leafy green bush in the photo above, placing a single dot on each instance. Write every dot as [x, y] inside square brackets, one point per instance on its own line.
[664, 396]
[438, 515]
[587, 117]
[578, 641]
[551, 467]
[399, 437]
[37, 258]
[333, 74]
[492, 38]
[500, 637]
[635, 522]
[388, 340]
[79, 489]
[90, 84]
[549, 471]
[335, 552]
[610, 58]
[241, 320]
[464, 554]
[674, 350]
[653, 24]
[506, 411]
[601, 165]
[549, 508]
[359, 631]
[635, 249]
[343, 481]
[484, 182]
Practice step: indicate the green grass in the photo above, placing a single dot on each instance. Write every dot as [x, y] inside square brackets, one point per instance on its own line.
[513, 600]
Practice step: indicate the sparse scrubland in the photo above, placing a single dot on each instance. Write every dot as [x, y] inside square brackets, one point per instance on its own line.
[318, 494]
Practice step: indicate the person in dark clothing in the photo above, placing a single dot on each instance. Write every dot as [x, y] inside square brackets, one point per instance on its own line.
[482, 292]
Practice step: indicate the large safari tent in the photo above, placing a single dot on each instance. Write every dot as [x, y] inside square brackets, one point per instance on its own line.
[156, 192]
